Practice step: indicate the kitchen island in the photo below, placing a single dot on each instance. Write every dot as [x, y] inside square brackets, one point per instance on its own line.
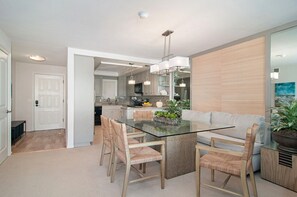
[119, 111]
[127, 112]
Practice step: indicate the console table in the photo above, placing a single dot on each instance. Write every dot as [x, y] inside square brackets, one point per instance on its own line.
[279, 167]
[18, 128]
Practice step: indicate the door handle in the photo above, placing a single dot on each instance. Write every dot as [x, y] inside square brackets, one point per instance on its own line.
[36, 103]
[8, 111]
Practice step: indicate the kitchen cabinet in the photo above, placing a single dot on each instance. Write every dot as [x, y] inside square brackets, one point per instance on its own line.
[97, 85]
[153, 88]
[127, 112]
[158, 83]
[122, 83]
[112, 111]
[98, 112]
[130, 89]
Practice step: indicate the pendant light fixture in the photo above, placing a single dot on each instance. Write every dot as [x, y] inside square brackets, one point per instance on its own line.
[182, 84]
[131, 80]
[169, 62]
[147, 81]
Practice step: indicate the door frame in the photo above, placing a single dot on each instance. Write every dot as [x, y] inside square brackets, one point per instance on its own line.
[33, 96]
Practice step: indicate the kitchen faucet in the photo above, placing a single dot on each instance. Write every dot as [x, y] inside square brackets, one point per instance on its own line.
[108, 101]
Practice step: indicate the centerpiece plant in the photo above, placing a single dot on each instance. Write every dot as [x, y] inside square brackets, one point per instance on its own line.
[284, 125]
[172, 113]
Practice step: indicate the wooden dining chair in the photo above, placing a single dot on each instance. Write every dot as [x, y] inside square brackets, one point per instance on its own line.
[143, 115]
[108, 141]
[133, 154]
[230, 162]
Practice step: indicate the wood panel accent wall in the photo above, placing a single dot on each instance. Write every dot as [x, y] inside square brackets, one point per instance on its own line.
[231, 79]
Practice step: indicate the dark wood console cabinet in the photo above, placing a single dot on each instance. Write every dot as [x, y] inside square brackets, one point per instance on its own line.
[18, 128]
[98, 112]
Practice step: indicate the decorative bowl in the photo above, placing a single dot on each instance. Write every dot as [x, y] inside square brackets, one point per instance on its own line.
[147, 104]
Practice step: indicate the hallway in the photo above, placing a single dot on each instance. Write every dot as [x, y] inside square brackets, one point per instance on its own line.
[40, 141]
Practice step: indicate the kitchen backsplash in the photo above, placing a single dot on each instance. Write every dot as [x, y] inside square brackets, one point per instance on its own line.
[154, 99]
[127, 100]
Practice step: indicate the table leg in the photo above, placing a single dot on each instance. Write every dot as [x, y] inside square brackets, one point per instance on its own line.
[180, 154]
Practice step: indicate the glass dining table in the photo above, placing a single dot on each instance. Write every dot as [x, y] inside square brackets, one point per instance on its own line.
[180, 141]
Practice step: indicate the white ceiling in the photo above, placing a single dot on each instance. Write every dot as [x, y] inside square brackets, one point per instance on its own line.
[48, 27]
[117, 70]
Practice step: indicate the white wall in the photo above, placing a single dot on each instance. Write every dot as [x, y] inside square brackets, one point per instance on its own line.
[23, 89]
[83, 100]
[288, 74]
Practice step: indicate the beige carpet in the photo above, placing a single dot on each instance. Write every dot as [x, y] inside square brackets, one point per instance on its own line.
[76, 173]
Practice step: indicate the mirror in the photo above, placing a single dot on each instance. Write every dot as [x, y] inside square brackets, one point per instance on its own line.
[182, 85]
[283, 66]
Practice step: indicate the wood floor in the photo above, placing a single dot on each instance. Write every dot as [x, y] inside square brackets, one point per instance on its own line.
[40, 141]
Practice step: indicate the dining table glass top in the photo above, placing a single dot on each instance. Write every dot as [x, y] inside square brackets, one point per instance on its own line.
[159, 129]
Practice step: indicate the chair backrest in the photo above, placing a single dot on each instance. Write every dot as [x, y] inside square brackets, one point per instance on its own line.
[120, 140]
[143, 115]
[249, 143]
[106, 127]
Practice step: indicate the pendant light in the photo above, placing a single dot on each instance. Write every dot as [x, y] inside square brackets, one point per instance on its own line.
[169, 62]
[131, 80]
[182, 84]
[147, 81]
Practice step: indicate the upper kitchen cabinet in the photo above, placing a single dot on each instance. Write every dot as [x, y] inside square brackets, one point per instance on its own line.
[130, 90]
[97, 86]
[122, 84]
[152, 89]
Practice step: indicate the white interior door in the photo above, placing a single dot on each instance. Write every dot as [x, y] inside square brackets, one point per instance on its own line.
[49, 102]
[3, 106]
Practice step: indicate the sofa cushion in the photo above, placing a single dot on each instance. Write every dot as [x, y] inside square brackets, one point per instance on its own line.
[222, 117]
[196, 116]
[205, 137]
[241, 122]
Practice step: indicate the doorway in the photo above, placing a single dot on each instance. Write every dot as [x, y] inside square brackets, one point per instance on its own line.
[49, 102]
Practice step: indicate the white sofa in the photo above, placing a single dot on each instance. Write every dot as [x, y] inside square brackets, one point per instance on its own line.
[241, 123]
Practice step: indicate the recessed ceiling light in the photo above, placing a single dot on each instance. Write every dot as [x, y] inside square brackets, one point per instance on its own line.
[37, 58]
[121, 64]
[143, 14]
[280, 55]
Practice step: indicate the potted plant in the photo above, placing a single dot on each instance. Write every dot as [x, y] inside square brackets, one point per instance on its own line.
[166, 117]
[172, 113]
[284, 125]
